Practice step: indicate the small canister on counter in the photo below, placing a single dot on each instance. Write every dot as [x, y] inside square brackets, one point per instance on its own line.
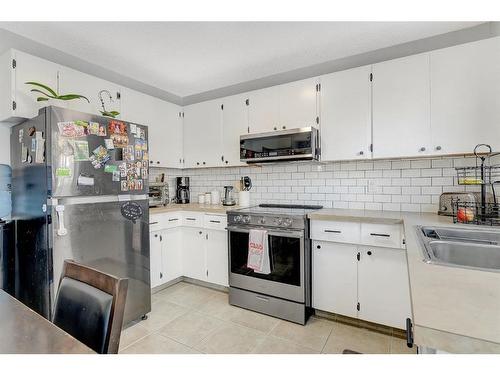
[208, 198]
[201, 198]
[215, 197]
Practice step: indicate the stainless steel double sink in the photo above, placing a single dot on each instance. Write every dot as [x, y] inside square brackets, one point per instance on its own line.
[476, 248]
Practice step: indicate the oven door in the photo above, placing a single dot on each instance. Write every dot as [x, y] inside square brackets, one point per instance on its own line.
[287, 258]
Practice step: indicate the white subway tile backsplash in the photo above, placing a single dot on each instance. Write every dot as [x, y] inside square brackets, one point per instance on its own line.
[409, 185]
[419, 164]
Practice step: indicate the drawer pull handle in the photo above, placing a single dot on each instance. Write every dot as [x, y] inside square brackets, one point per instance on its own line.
[262, 298]
[190, 218]
[154, 222]
[380, 235]
[173, 219]
[332, 231]
[215, 221]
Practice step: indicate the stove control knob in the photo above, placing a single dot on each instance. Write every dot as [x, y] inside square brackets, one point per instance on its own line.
[237, 219]
[246, 219]
[279, 221]
[262, 220]
[287, 222]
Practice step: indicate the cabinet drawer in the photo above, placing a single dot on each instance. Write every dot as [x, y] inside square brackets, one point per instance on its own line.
[192, 219]
[172, 220]
[155, 222]
[385, 235]
[217, 222]
[336, 231]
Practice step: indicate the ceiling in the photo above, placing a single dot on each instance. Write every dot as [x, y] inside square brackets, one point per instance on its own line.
[187, 58]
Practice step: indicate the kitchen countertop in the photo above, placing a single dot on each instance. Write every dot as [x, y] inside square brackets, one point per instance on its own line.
[454, 309]
[207, 208]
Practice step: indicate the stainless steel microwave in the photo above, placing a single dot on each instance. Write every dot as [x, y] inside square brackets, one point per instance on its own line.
[281, 145]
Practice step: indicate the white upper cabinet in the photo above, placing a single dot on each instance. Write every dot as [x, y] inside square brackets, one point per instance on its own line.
[288, 106]
[164, 123]
[18, 102]
[298, 104]
[263, 110]
[346, 115]
[203, 134]
[74, 82]
[465, 96]
[234, 124]
[401, 107]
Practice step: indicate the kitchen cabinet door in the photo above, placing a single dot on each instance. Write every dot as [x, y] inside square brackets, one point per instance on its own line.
[346, 115]
[465, 97]
[298, 104]
[263, 110]
[74, 82]
[234, 124]
[172, 254]
[193, 253]
[383, 286]
[334, 277]
[203, 134]
[217, 257]
[165, 135]
[164, 123]
[21, 101]
[401, 107]
[155, 257]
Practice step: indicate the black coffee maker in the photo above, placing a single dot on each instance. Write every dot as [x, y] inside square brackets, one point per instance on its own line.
[182, 190]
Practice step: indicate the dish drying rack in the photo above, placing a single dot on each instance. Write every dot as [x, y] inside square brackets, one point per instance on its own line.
[485, 175]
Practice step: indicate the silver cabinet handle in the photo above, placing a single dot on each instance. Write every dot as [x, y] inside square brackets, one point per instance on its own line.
[190, 218]
[173, 219]
[154, 222]
[332, 231]
[380, 235]
[215, 221]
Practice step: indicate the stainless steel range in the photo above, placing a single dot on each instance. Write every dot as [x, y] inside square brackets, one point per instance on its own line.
[284, 292]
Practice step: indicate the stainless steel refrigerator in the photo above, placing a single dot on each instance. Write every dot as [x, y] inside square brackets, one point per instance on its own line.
[79, 191]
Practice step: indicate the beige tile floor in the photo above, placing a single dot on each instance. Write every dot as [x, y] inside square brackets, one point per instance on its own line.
[187, 318]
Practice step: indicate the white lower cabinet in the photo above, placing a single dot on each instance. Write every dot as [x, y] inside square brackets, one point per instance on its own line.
[361, 281]
[334, 277]
[383, 287]
[217, 257]
[193, 253]
[171, 254]
[193, 248]
[165, 255]
[155, 255]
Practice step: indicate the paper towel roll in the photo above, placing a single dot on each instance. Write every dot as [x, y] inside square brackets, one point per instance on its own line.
[244, 198]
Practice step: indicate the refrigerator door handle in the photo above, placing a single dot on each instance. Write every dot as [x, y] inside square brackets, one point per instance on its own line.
[61, 229]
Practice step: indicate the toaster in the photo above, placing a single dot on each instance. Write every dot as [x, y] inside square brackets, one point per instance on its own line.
[446, 200]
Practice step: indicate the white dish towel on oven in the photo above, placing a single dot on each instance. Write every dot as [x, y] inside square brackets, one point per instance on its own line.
[258, 252]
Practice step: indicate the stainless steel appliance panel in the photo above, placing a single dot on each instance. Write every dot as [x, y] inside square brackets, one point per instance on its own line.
[249, 280]
[61, 157]
[292, 144]
[100, 236]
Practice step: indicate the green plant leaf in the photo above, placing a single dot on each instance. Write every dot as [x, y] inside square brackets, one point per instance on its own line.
[72, 97]
[41, 99]
[44, 93]
[42, 86]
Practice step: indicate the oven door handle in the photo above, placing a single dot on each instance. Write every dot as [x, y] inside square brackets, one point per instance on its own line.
[276, 233]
